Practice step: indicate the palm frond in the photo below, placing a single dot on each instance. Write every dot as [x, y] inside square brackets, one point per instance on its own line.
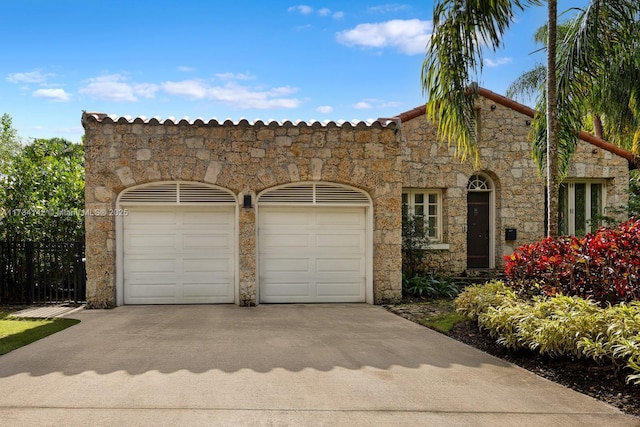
[529, 85]
[462, 30]
[600, 62]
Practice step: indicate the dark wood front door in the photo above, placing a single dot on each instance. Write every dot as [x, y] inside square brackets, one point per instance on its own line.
[478, 231]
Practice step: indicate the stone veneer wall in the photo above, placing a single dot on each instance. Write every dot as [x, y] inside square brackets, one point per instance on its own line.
[505, 156]
[246, 159]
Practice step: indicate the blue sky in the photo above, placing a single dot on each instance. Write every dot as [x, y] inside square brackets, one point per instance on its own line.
[325, 60]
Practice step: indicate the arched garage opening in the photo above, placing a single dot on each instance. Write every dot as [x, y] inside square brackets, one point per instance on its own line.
[314, 244]
[176, 244]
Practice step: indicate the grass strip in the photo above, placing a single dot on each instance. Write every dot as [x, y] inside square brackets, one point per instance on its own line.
[444, 322]
[18, 332]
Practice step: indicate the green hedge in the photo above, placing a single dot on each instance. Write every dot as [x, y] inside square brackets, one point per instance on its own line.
[558, 325]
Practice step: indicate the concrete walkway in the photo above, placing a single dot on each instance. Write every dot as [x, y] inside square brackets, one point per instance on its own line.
[47, 311]
[299, 365]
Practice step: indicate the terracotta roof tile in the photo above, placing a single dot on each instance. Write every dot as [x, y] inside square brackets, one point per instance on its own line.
[106, 118]
[530, 112]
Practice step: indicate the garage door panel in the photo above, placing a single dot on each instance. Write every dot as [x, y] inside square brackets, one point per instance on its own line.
[152, 290]
[147, 241]
[204, 217]
[340, 289]
[287, 265]
[208, 265]
[285, 217]
[179, 254]
[139, 266]
[312, 254]
[210, 241]
[149, 218]
[209, 290]
[340, 241]
[281, 288]
[340, 265]
[284, 240]
[347, 216]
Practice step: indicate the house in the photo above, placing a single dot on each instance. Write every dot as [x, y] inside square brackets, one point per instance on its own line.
[182, 211]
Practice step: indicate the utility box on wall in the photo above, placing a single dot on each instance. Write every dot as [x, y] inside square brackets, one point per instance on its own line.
[510, 234]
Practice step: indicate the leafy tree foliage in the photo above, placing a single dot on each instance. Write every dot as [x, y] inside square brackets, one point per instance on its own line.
[9, 143]
[43, 193]
[609, 89]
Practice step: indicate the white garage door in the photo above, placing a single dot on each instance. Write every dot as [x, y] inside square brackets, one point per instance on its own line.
[312, 254]
[178, 244]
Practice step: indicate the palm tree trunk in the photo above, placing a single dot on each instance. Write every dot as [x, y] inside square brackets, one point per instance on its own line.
[598, 128]
[552, 123]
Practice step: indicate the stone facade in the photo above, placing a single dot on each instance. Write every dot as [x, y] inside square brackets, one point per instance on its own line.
[518, 187]
[245, 159]
[380, 159]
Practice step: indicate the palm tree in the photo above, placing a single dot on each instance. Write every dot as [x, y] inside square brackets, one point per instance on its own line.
[609, 106]
[464, 28]
[553, 178]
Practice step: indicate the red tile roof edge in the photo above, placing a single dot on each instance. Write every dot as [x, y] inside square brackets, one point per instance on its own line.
[530, 112]
[110, 118]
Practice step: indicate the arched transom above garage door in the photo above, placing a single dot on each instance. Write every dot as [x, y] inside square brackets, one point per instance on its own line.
[314, 244]
[314, 194]
[177, 193]
[178, 244]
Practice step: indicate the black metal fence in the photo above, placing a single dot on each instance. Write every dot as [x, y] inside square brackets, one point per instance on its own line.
[42, 273]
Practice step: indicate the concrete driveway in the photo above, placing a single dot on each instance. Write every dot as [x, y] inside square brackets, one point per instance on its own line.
[274, 365]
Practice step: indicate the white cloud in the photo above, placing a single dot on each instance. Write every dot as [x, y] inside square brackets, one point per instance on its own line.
[115, 87]
[232, 76]
[234, 94]
[362, 105]
[368, 104]
[58, 95]
[303, 9]
[388, 8]
[193, 89]
[324, 109]
[146, 90]
[30, 77]
[500, 61]
[308, 10]
[408, 36]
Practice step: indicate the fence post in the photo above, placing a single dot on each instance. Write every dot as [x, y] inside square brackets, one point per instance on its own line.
[28, 249]
[79, 276]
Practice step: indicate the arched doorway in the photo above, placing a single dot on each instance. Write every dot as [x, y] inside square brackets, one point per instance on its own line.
[480, 236]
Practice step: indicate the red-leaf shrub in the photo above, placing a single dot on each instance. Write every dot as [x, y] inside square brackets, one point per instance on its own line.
[603, 266]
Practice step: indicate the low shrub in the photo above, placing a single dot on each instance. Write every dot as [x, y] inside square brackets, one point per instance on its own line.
[557, 326]
[617, 338]
[430, 285]
[603, 266]
[476, 299]
[551, 326]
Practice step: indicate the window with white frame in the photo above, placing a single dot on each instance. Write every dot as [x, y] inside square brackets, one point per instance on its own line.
[580, 206]
[425, 207]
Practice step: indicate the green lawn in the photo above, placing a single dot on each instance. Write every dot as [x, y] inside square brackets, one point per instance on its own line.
[16, 332]
[441, 315]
